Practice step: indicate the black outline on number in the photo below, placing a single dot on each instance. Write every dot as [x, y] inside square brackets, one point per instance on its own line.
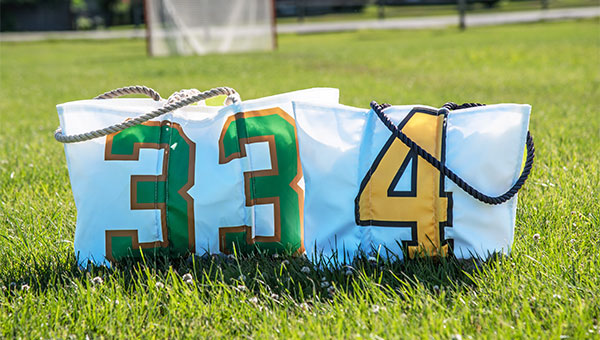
[412, 155]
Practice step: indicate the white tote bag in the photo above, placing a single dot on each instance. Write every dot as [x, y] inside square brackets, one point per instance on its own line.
[194, 180]
[372, 192]
[296, 172]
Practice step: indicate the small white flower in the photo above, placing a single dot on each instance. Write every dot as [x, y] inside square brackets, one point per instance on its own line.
[275, 256]
[25, 287]
[556, 296]
[3, 288]
[253, 300]
[324, 284]
[375, 309]
[97, 280]
[305, 270]
[436, 289]
[241, 288]
[456, 337]
[274, 296]
[117, 302]
[159, 285]
[536, 237]
[188, 279]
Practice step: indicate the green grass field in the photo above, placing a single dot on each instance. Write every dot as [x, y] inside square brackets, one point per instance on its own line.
[547, 288]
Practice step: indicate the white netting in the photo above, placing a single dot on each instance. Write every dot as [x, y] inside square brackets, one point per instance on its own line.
[209, 26]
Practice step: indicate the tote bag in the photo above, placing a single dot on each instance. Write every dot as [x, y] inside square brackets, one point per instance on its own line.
[194, 180]
[369, 190]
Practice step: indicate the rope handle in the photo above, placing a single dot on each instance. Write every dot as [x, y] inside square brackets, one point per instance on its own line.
[135, 89]
[378, 109]
[176, 101]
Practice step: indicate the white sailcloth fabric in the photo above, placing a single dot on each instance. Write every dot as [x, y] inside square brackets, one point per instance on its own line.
[295, 172]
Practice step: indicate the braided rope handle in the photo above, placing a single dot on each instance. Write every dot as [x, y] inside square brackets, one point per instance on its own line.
[181, 100]
[135, 89]
[378, 109]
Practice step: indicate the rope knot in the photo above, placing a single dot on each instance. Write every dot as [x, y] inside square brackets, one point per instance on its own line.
[182, 94]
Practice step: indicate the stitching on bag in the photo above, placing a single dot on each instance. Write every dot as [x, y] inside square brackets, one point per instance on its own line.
[250, 172]
[450, 201]
[167, 184]
[165, 166]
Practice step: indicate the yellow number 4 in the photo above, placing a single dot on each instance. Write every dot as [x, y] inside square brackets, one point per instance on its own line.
[425, 208]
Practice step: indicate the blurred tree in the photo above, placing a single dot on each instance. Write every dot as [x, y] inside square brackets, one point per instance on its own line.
[20, 2]
[35, 15]
[28, 2]
[106, 7]
[137, 12]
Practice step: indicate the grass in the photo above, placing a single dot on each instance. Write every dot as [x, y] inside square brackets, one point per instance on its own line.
[547, 288]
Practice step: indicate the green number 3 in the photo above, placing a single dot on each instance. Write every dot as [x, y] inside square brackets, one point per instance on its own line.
[151, 192]
[277, 186]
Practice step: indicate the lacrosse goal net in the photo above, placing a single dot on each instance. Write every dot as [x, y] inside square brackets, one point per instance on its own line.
[183, 27]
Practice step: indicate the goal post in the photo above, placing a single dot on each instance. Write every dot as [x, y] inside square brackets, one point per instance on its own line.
[184, 27]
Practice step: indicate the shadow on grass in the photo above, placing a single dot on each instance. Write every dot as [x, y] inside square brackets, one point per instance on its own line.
[294, 276]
